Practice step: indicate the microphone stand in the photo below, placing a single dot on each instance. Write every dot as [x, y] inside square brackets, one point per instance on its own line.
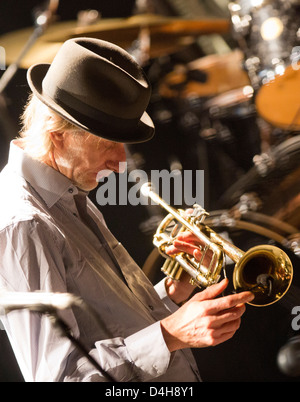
[42, 21]
[51, 310]
[63, 328]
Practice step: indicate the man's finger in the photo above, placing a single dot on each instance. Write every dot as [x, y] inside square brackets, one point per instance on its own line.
[212, 291]
[230, 301]
[182, 246]
[225, 302]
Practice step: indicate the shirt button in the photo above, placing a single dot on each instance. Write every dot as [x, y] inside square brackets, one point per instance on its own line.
[151, 307]
[70, 190]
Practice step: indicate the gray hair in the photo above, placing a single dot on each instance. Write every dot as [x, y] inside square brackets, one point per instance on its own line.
[38, 121]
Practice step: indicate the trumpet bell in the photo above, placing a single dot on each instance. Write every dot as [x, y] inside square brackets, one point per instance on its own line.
[266, 271]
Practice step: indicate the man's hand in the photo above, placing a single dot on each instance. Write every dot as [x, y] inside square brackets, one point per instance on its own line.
[186, 242]
[205, 320]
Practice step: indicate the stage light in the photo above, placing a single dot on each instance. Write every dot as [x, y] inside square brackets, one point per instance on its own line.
[271, 28]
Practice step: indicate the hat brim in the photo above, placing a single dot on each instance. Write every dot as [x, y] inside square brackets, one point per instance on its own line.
[143, 132]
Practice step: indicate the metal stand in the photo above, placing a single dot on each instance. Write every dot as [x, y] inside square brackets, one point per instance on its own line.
[42, 21]
[65, 331]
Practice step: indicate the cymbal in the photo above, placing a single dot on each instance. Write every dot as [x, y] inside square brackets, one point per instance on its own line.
[131, 26]
[167, 35]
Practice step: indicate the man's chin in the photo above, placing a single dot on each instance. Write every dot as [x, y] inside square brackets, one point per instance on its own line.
[87, 186]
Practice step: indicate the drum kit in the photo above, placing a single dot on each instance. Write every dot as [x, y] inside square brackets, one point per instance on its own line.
[268, 193]
[250, 110]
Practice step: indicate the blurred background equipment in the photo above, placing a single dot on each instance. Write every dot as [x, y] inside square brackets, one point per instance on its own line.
[226, 100]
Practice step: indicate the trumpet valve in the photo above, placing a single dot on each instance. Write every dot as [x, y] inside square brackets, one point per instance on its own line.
[172, 269]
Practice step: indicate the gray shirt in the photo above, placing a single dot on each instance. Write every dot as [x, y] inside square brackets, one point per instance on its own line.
[46, 246]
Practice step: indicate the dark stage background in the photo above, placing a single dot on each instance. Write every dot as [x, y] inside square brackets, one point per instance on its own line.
[182, 139]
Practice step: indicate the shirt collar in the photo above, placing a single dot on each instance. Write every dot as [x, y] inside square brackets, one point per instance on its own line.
[48, 182]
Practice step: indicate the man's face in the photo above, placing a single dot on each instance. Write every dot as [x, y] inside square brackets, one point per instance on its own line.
[82, 156]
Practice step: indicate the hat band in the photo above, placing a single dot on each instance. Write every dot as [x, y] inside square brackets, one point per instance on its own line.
[84, 113]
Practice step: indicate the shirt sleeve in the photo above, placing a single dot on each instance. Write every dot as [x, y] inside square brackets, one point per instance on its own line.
[32, 260]
[131, 359]
[160, 288]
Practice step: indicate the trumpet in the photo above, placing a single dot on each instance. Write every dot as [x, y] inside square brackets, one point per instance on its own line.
[264, 270]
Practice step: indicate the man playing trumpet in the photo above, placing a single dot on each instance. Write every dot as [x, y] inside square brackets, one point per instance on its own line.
[84, 107]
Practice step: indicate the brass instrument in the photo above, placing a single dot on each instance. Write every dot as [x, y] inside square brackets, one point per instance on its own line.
[264, 270]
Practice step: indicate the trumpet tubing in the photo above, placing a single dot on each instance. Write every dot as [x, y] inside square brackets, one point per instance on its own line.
[264, 270]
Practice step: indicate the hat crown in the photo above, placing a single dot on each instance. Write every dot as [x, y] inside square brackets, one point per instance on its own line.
[99, 74]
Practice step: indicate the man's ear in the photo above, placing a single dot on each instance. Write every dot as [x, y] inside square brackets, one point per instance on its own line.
[58, 139]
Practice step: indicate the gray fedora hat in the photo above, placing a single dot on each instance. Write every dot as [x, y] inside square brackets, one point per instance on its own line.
[98, 87]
